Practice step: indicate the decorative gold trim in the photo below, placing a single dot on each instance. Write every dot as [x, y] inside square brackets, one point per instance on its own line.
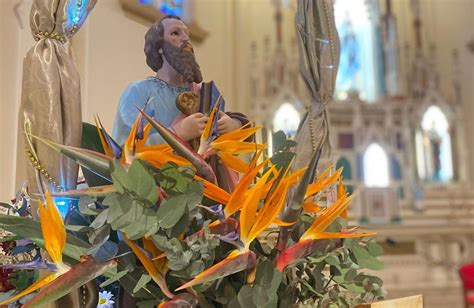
[147, 15]
[53, 35]
[37, 165]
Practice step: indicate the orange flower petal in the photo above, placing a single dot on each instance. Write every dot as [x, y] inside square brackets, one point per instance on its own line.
[149, 266]
[237, 147]
[233, 162]
[105, 146]
[52, 227]
[214, 192]
[240, 134]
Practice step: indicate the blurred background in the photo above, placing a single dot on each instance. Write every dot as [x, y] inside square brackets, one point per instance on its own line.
[400, 124]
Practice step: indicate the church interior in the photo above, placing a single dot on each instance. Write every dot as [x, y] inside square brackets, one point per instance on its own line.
[399, 119]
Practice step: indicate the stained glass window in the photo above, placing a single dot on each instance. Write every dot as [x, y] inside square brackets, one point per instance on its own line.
[172, 7]
[167, 7]
[361, 58]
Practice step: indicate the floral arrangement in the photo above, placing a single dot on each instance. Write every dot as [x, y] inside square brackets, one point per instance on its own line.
[161, 227]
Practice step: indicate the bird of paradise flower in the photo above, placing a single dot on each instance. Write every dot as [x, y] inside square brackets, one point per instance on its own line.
[63, 277]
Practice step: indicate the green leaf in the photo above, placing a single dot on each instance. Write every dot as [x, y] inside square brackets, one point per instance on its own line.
[195, 268]
[91, 141]
[268, 276]
[203, 303]
[171, 210]
[350, 275]
[353, 287]
[364, 259]
[147, 304]
[100, 220]
[114, 278]
[373, 248]
[282, 159]
[174, 179]
[180, 226]
[129, 281]
[245, 297]
[142, 282]
[332, 260]
[95, 162]
[87, 206]
[143, 183]
[334, 270]
[309, 287]
[119, 177]
[350, 242]
[278, 141]
[78, 228]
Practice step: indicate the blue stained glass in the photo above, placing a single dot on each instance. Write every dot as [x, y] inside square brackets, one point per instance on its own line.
[172, 7]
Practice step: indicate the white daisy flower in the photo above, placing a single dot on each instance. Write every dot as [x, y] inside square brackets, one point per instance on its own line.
[105, 300]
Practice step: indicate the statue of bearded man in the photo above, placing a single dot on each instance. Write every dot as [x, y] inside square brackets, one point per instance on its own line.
[170, 54]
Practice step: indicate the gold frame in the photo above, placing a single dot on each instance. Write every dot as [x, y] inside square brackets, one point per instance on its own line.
[145, 15]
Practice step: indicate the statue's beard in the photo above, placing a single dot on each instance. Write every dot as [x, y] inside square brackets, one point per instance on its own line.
[183, 61]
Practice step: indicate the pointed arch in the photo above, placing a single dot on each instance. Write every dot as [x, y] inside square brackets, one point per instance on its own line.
[376, 168]
[433, 146]
[287, 118]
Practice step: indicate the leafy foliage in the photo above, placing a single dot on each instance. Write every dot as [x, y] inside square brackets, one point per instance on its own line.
[179, 238]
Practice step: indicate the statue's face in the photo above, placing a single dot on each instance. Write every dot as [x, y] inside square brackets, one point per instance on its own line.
[175, 32]
[178, 51]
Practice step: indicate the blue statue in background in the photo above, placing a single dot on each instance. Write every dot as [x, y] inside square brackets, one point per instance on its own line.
[350, 62]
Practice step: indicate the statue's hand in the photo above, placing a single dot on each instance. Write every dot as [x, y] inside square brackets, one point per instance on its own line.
[191, 126]
[226, 124]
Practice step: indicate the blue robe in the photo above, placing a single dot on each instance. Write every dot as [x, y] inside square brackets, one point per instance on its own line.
[162, 106]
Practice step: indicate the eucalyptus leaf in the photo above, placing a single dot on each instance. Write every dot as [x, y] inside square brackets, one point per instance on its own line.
[374, 249]
[87, 206]
[171, 210]
[268, 277]
[142, 282]
[350, 242]
[106, 252]
[353, 287]
[180, 226]
[245, 297]
[114, 278]
[78, 228]
[150, 291]
[120, 178]
[100, 219]
[332, 260]
[364, 259]
[350, 275]
[143, 183]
